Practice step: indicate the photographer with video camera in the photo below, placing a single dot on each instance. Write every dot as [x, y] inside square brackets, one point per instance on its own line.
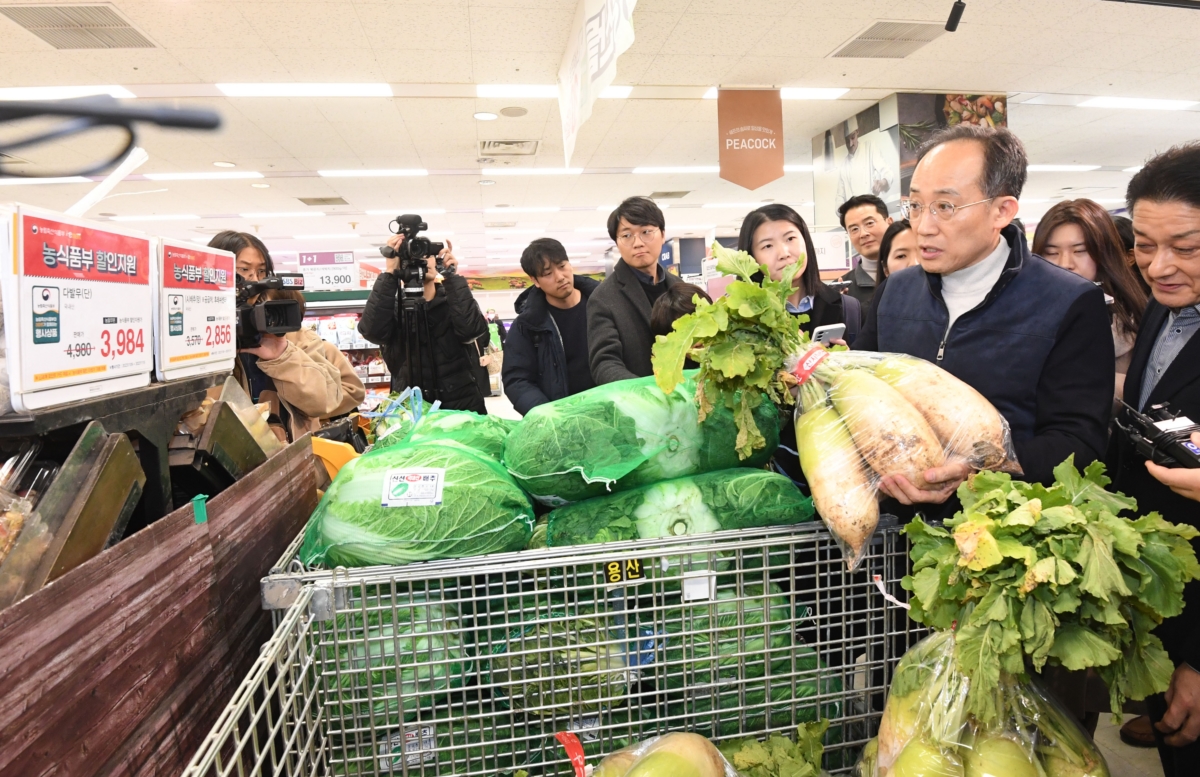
[305, 379]
[424, 319]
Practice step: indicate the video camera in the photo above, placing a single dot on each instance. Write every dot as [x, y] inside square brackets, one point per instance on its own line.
[413, 252]
[1162, 437]
[267, 316]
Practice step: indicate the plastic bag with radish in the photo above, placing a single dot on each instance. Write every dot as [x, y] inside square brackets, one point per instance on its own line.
[927, 728]
[670, 755]
[863, 416]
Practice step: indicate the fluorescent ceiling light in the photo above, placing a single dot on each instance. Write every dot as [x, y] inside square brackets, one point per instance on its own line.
[180, 217]
[578, 256]
[201, 176]
[338, 236]
[607, 208]
[682, 169]
[62, 92]
[797, 168]
[711, 94]
[399, 173]
[1137, 103]
[224, 164]
[305, 90]
[810, 93]
[486, 116]
[616, 92]
[261, 185]
[396, 211]
[298, 214]
[1136, 169]
[532, 171]
[516, 90]
[37, 181]
[1062, 168]
[750, 205]
[546, 209]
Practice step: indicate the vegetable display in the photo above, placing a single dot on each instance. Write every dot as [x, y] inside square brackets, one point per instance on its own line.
[676, 754]
[779, 756]
[740, 342]
[622, 435]
[483, 433]
[480, 509]
[728, 499]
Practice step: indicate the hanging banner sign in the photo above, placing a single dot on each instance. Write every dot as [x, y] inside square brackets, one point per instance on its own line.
[195, 303]
[77, 308]
[602, 31]
[329, 271]
[750, 135]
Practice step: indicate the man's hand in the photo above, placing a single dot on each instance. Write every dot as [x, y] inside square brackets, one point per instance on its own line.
[1185, 482]
[1181, 723]
[942, 483]
[394, 263]
[271, 347]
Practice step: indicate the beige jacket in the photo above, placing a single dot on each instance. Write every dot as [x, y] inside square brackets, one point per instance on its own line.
[313, 380]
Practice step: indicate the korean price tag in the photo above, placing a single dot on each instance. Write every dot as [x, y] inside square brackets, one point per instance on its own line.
[329, 270]
[195, 324]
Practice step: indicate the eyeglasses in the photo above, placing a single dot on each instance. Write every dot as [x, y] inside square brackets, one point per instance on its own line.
[647, 234]
[941, 210]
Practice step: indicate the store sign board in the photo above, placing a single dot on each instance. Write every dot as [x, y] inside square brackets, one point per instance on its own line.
[832, 251]
[602, 32]
[329, 270]
[77, 306]
[750, 136]
[195, 304]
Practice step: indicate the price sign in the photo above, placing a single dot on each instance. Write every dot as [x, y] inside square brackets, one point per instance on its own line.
[329, 271]
[78, 309]
[195, 306]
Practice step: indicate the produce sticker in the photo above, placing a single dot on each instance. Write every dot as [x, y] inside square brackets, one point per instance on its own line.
[414, 487]
[84, 303]
[196, 308]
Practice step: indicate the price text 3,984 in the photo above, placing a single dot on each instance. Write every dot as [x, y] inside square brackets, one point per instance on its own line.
[121, 342]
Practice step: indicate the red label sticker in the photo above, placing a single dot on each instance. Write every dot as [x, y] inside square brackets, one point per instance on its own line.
[574, 749]
[57, 250]
[809, 362]
[196, 268]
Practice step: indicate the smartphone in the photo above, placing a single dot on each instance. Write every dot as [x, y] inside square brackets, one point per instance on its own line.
[823, 334]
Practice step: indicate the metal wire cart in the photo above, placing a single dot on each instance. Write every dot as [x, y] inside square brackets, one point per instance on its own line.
[470, 667]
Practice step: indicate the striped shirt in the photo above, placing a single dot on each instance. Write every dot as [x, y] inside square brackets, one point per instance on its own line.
[1181, 325]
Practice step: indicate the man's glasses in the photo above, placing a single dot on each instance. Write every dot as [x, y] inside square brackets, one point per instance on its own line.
[941, 210]
[647, 234]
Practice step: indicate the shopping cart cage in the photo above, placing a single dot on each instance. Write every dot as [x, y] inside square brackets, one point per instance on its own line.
[470, 667]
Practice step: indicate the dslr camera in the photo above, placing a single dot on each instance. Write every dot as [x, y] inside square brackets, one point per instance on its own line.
[267, 316]
[1162, 436]
[413, 252]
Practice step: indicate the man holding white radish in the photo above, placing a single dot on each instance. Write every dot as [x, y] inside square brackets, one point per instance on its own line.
[1030, 337]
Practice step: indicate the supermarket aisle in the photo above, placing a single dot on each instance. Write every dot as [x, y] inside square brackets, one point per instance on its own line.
[1123, 760]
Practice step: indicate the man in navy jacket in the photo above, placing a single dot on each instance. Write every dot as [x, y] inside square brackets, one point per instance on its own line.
[546, 352]
[1034, 339]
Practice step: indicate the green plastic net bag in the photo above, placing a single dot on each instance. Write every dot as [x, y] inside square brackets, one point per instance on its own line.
[622, 435]
[482, 433]
[417, 502]
[729, 499]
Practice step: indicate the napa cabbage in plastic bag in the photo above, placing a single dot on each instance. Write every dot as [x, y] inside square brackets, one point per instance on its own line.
[483, 433]
[380, 510]
[622, 435]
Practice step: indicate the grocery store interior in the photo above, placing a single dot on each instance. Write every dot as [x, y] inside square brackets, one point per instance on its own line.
[197, 575]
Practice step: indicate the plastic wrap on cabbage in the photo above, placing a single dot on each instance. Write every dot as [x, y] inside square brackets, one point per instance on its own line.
[483, 433]
[727, 499]
[374, 512]
[623, 435]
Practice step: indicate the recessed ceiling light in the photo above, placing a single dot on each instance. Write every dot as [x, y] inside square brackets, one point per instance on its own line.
[616, 92]
[810, 93]
[395, 211]
[201, 176]
[507, 209]
[178, 217]
[486, 116]
[533, 171]
[62, 92]
[37, 181]
[398, 173]
[297, 214]
[1062, 168]
[514, 111]
[224, 164]
[680, 169]
[487, 182]
[1138, 103]
[516, 90]
[261, 185]
[305, 90]
[797, 168]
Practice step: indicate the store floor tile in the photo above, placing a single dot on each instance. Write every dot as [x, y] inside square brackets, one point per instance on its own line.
[1123, 760]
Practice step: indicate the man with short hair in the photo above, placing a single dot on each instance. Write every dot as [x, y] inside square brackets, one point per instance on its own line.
[1164, 200]
[865, 218]
[1033, 338]
[619, 336]
[546, 352]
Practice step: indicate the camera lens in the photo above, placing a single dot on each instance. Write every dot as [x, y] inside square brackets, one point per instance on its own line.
[418, 248]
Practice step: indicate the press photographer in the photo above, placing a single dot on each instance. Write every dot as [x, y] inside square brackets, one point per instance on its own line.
[424, 319]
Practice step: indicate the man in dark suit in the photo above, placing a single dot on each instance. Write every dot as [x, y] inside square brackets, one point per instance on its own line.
[618, 312]
[1164, 199]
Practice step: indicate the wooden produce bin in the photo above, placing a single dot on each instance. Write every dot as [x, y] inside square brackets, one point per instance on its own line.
[122, 665]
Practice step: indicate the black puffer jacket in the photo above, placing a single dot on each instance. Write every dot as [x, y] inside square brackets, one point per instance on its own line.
[454, 323]
[535, 364]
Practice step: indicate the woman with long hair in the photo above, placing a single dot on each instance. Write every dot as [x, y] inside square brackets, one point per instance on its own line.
[1080, 236]
[897, 250]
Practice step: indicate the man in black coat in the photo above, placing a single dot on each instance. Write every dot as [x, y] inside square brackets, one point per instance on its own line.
[1164, 199]
[450, 323]
[546, 353]
[619, 336]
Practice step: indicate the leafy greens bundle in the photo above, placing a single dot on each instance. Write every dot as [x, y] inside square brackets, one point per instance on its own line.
[779, 756]
[1029, 575]
[740, 342]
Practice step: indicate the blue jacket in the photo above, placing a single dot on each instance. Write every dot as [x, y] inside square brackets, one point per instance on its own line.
[535, 362]
[1039, 347]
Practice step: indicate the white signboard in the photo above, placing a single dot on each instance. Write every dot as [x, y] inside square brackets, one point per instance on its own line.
[329, 271]
[832, 250]
[77, 308]
[195, 303]
[602, 31]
